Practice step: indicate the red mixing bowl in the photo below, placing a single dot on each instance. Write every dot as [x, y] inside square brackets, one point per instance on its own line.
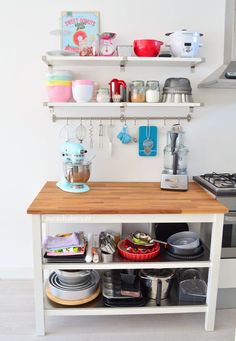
[147, 47]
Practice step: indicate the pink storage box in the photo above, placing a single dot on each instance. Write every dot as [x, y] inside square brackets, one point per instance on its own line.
[59, 93]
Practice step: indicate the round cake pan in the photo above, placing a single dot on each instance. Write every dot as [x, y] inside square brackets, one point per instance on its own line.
[68, 293]
[73, 276]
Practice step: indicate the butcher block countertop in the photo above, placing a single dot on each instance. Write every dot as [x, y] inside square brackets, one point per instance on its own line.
[125, 198]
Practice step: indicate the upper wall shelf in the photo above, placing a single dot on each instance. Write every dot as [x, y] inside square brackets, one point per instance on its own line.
[121, 61]
[122, 105]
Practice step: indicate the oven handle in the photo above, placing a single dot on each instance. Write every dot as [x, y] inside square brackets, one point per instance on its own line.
[231, 218]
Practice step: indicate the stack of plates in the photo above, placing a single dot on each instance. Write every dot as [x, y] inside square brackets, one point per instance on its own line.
[71, 287]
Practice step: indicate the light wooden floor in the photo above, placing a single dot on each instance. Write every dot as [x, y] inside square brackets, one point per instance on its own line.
[17, 322]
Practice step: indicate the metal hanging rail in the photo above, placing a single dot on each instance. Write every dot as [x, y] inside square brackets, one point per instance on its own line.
[121, 118]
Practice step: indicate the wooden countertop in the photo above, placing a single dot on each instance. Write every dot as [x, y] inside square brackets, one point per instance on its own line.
[125, 198]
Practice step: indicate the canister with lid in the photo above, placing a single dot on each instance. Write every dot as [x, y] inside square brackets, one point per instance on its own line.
[152, 91]
[103, 95]
[137, 91]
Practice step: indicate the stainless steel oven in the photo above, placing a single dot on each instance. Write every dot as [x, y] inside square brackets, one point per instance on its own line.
[229, 236]
[223, 188]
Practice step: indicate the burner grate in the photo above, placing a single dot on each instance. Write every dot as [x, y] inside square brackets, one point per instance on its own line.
[221, 180]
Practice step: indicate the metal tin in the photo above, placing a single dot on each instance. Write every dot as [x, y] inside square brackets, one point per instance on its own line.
[78, 292]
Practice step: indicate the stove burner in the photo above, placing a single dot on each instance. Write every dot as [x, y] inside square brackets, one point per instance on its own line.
[221, 180]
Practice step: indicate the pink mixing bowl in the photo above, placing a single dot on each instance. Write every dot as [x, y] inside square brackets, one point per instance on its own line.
[59, 93]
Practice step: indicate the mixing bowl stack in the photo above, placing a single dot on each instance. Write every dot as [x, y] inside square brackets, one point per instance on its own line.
[59, 86]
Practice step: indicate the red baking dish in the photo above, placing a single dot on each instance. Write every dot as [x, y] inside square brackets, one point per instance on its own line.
[149, 253]
[147, 47]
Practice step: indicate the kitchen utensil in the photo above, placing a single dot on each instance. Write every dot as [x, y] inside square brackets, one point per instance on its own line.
[91, 134]
[72, 302]
[124, 136]
[59, 93]
[100, 134]
[81, 132]
[57, 75]
[135, 134]
[59, 86]
[192, 291]
[110, 135]
[107, 257]
[74, 277]
[67, 132]
[117, 90]
[79, 292]
[147, 47]
[124, 50]
[157, 283]
[107, 44]
[177, 85]
[189, 274]
[149, 253]
[177, 90]
[76, 168]
[184, 43]
[148, 140]
[82, 90]
[115, 285]
[184, 240]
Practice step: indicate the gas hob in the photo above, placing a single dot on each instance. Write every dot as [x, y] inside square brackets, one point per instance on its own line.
[220, 184]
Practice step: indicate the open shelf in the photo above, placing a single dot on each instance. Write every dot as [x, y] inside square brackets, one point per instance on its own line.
[96, 307]
[163, 260]
[121, 105]
[121, 61]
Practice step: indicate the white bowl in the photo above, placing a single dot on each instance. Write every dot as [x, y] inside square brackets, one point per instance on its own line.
[82, 90]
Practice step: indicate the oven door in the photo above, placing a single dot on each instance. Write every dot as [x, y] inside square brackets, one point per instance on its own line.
[229, 236]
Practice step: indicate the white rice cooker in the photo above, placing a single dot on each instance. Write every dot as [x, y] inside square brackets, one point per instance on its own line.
[184, 43]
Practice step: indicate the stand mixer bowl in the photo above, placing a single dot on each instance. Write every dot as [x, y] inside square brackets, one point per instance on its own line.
[77, 173]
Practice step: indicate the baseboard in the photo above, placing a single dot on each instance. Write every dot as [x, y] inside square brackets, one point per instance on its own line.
[16, 273]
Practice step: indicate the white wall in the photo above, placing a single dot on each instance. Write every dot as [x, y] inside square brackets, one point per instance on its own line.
[29, 140]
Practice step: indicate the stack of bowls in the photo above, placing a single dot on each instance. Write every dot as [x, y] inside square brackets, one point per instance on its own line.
[59, 86]
[177, 90]
[73, 285]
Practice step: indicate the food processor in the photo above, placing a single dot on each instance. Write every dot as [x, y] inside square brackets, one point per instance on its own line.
[174, 175]
[76, 168]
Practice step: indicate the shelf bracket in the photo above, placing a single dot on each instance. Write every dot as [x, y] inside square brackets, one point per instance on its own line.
[192, 68]
[189, 116]
[54, 118]
[123, 64]
[44, 59]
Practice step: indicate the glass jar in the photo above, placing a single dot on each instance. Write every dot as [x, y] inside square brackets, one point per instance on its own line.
[137, 91]
[103, 95]
[152, 92]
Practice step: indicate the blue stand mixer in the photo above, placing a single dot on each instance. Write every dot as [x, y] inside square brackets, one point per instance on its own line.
[76, 168]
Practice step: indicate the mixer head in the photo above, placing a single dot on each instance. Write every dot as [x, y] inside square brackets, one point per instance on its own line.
[73, 152]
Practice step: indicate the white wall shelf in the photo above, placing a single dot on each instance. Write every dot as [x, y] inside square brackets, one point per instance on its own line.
[121, 105]
[121, 61]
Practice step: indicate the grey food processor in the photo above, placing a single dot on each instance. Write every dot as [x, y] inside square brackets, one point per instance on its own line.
[174, 175]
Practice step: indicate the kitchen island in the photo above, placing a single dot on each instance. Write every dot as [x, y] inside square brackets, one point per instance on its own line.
[126, 202]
